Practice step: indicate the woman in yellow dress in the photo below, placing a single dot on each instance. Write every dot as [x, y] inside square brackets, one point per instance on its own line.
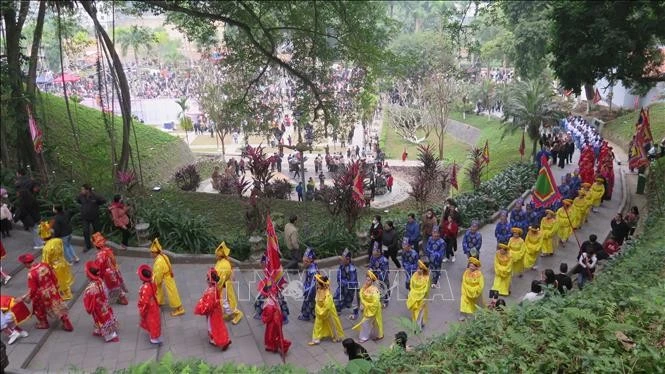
[516, 246]
[564, 218]
[597, 192]
[371, 325]
[326, 320]
[162, 274]
[532, 247]
[226, 287]
[472, 288]
[503, 270]
[548, 229]
[416, 302]
[579, 209]
[53, 254]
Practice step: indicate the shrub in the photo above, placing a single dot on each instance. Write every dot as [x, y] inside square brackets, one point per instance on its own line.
[279, 189]
[476, 167]
[187, 178]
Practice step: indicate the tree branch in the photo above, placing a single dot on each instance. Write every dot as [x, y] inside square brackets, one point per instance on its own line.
[254, 81]
[22, 14]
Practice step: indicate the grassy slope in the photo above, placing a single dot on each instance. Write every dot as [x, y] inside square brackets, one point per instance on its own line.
[160, 152]
[622, 129]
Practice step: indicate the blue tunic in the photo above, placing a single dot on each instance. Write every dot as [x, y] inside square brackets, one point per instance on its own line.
[518, 218]
[410, 264]
[309, 293]
[381, 268]
[435, 250]
[470, 241]
[347, 287]
[502, 232]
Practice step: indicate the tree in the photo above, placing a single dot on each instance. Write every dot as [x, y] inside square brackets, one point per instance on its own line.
[622, 41]
[476, 166]
[441, 91]
[185, 122]
[531, 105]
[136, 38]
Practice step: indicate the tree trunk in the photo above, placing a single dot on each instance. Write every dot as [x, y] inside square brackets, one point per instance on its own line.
[589, 92]
[34, 51]
[533, 149]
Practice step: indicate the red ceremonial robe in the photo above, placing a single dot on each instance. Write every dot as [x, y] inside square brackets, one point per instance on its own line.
[210, 305]
[105, 259]
[96, 303]
[149, 310]
[274, 337]
[43, 291]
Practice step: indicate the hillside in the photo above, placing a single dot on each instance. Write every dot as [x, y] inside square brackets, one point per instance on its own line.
[160, 153]
[621, 129]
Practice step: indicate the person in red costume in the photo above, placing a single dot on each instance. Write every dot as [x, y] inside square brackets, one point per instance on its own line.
[109, 270]
[210, 305]
[586, 164]
[151, 317]
[43, 293]
[271, 315]
[96, 303]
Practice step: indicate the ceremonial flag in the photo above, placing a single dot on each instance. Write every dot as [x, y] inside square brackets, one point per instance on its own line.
[545, 191]
[636, 156]
[273, 267]
[636, 102]
[597, 97]
[644, 126]
[522, 145]
[486, 152]
[35, 132]
[453, 177]
[358, 192]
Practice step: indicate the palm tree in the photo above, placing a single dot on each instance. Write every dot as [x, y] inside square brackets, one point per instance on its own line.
[135, 37]
[185, 122]
[530, 105]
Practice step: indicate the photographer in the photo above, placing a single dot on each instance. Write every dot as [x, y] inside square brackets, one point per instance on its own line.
[90, 203]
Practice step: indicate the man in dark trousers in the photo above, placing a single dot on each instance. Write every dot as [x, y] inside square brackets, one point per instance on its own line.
[90, 203]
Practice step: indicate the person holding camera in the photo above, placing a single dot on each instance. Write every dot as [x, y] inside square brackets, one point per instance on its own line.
[90, 203]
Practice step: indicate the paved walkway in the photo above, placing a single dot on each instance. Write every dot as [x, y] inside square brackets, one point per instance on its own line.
[186, 336]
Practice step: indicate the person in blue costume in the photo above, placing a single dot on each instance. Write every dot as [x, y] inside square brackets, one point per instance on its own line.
[347, 284]
[472, 240]
[265, 285]
[309, 286]
[435, 249]
[534, 215]
[409, 261]
[502, 230]
[575, 183]
[519, 218]
[379, 265]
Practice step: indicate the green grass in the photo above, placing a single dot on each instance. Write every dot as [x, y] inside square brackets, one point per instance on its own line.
[160, 153]
[621, 129]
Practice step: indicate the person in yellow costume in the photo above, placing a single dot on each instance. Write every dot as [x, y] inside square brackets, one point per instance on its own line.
[472, 288]
[503, 270]
[588, 197]
[419, 287]
[579, 209]
[533, 245]
[326, 320]
[225, 284]
[371, 325]
[597, 192]
[548, 229]
[53, 254]
[516, 246]
[162, 274]
[564, 218]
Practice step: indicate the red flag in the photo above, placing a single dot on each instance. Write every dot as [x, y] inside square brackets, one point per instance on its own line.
[486, 152]
[404, 155]
[636, 157]
[358, 192]
[522, 146]
[597, 97]
[644, 126]
[273, 267]
[545, 191]
[35, 132]
[636, 102]
[453, 177]
[567, 93]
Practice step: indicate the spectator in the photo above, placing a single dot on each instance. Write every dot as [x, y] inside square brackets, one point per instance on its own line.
[412, 231]
[120, 215]
[590, 246]
[23, 181]
[549, 279]
[90, 203]
[428, 222]
[390, 242]
[400, 342]
[354, 350]
[631, 219]
[5, 219]
[389, 182]
[292, 242]
[451, 210]
[28, 213]
[375, 233]
[536, 292]
[564, 283]
[587, 262]
[62, 229]
[450, 231]
[611, 247]
[299, 191]
[620, 228]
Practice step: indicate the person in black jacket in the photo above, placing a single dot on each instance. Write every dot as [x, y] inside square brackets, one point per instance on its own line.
[354, 350]
[564, 282]
[90, 203]
[375, 234]
[620, 228]
[391, 242]
[62, 229]
[28, 213]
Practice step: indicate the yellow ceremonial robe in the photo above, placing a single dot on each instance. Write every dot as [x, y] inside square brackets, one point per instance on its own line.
[472, 290]
[225, 272]
[370, 299]
[564, 229]
[579, 212]
[326, 320]
[516, 246]
[532, 246]
[597, 192]
[416, 302]
[503, 273]
[589, 203]
[53, 254]
[548, 228]
[162, 273]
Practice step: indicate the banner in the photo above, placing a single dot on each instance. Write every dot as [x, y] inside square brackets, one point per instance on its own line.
[597, 97]
[545, 191]
[273, 267]
[358, 192]
[35, 132]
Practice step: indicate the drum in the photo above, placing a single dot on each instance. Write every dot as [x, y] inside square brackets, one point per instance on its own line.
[18, 309]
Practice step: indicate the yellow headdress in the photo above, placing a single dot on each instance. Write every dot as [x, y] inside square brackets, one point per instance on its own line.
[371, 275]
[222, 250]
[322, 281]
[421, 265]
[549, 211]
[586, 184]
[45, 230]
[516, 230]
[155, 247]
[567, 201]
[600, 180]
[504, 246]
[475, 261]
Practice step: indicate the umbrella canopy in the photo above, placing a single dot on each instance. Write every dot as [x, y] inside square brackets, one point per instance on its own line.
[43, 79]
[66, 78]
